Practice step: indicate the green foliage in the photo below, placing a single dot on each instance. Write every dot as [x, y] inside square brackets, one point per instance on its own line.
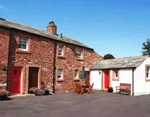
[146, 47]
[109, 56]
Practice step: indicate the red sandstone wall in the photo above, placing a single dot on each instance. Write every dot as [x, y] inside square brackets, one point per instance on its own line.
[41, 53]
[4, 46]
[70, 62]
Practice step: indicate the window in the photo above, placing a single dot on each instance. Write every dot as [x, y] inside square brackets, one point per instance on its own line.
[23, 43]
[147, 72]
[60, 73]
[76, 72]
[60, 50]
[116, 75]
[79, 54]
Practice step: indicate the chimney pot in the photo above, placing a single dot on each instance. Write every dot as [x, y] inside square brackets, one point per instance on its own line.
[52, 28]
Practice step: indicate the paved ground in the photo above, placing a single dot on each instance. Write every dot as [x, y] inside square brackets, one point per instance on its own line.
[99, 104]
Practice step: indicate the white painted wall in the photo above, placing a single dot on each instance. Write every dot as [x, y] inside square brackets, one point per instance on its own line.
[95, 78]
[140, 85]
[125, 76]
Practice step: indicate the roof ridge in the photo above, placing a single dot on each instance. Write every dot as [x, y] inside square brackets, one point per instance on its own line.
[125, 62]
[33, 30]
[70, 38]
[25, 25]
[126, 58]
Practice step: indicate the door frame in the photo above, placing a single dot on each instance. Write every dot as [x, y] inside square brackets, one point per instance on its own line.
[22, 76]
[27, 76]
[103, 78]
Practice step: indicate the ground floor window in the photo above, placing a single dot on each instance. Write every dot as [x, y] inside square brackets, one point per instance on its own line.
[147, 73]
[60, 73]
[115, 75]
[76, 73]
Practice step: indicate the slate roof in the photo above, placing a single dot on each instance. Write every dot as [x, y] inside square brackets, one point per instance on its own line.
[15, 25]
[127, 62]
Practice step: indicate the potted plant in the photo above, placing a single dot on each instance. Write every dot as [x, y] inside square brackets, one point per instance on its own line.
[4, 94]
[31, 90]
[110, 89]
[47, 92]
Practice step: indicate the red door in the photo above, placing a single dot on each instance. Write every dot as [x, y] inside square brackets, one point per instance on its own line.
[15, 77]
[107, 80]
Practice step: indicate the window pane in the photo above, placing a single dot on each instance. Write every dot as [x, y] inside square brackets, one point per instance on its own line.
[79, 54]
[147, 72]
[60, 73]
[60, 50]
[76, 73]
[22, 43]
[115, 74]
[147, 75]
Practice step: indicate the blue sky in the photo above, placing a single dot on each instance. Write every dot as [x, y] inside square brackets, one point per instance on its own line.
[109, 26]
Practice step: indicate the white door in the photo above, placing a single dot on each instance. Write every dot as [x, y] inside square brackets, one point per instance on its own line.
[95, 77]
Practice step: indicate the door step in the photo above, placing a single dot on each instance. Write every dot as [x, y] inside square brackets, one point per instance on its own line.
[20, 95]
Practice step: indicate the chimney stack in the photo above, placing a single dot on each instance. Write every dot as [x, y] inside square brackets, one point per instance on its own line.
[52, 28]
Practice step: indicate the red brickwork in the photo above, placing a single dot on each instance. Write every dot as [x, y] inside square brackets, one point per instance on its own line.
[4, 47]
[41, 53]
[70, 62]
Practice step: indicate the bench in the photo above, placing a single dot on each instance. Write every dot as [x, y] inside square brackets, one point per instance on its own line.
[124, 88]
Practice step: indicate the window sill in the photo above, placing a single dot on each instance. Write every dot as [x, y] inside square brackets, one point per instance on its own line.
[80, 59]
[115, 79]
[76, 79]
[23, 51]
[63, 57]
[147, 80]
[60, 80]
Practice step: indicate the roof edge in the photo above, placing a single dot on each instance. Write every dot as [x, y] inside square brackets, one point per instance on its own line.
[46, 36]
[112, 68]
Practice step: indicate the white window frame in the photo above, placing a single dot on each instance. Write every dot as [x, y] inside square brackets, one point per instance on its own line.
[79, 54]
[62, 51]
[60, 73]
[27, 41]
[147, 72]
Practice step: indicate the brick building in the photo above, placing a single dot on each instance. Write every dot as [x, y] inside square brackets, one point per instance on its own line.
[30, 57]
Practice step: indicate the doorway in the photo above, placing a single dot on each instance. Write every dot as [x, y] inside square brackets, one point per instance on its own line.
[15, 80]
[33, 77]
[87, 77]
[107, 79]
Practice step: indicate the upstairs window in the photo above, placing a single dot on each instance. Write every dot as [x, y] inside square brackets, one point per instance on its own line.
[76, 72]
[60, 73]
[116, 75]
[23, 43]
[60, 53]
[79, 54]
